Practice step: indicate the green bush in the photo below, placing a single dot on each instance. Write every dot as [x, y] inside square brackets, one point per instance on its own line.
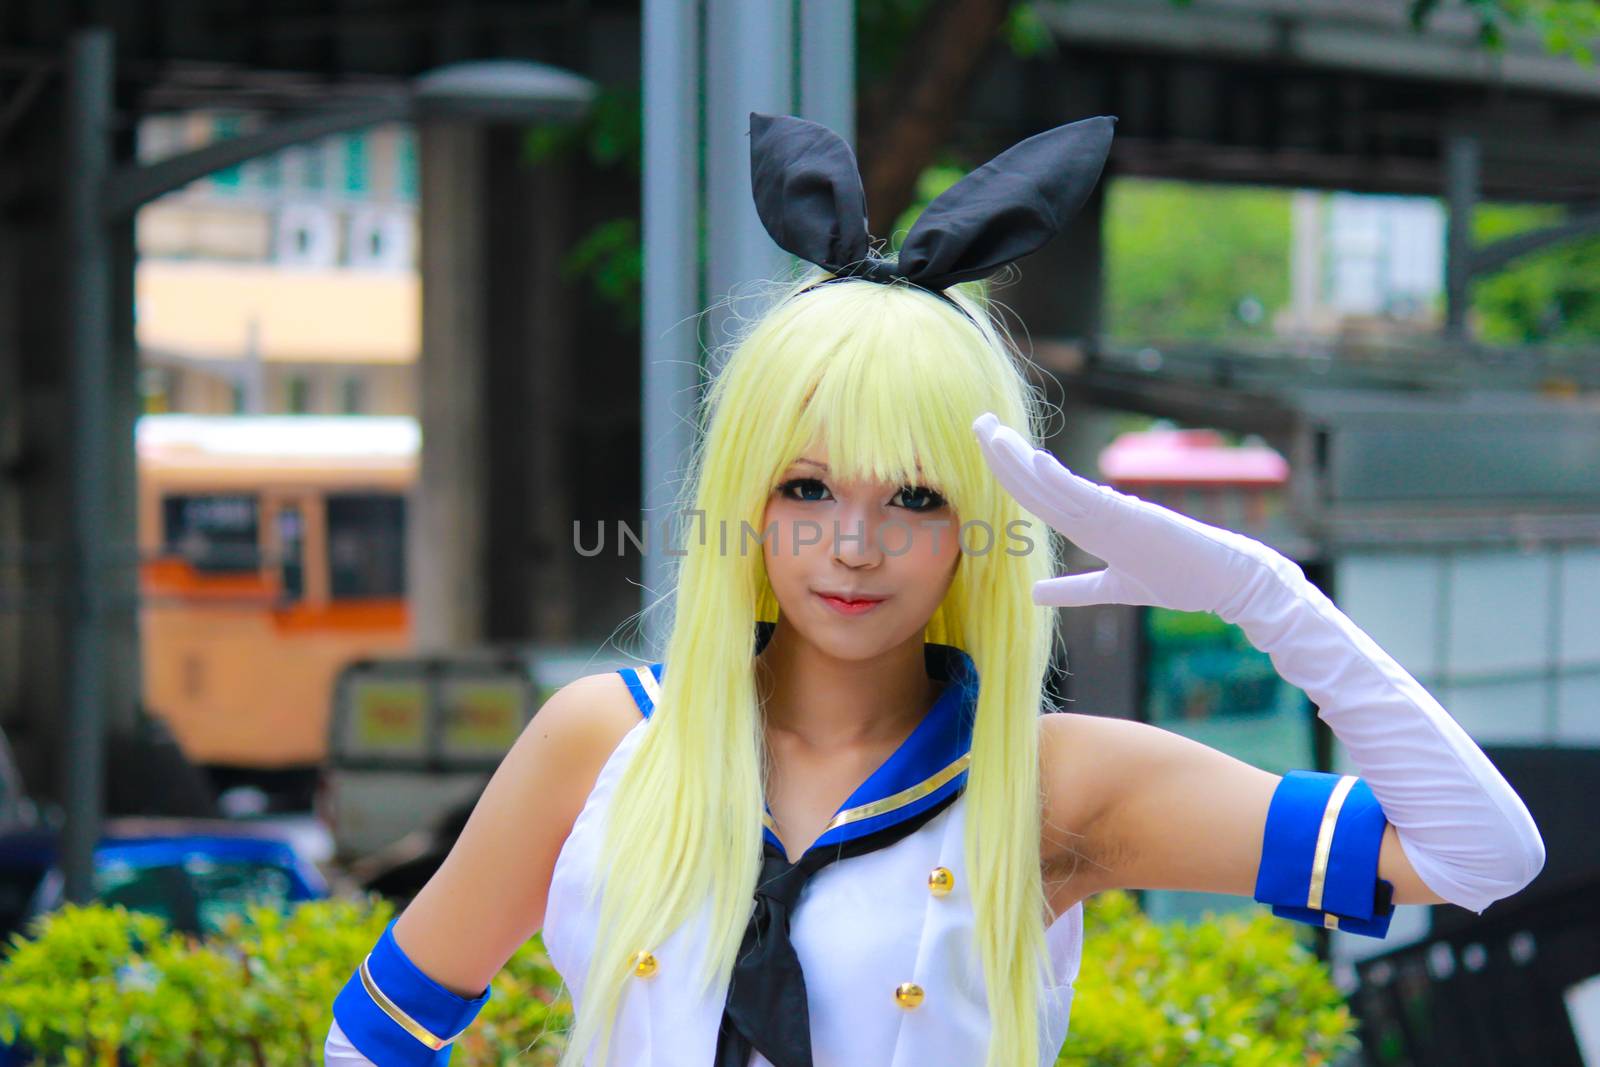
[104, 987]
[1235, 991]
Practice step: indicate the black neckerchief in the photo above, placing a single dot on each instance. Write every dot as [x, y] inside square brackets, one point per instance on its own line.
[766, 1008]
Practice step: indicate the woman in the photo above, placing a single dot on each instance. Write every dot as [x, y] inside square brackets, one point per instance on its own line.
[919, 838]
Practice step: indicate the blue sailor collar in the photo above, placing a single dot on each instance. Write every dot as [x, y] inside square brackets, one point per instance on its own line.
[929, 766]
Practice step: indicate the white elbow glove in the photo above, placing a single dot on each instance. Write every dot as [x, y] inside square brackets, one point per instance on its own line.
[1466, 832]
[339, 1052]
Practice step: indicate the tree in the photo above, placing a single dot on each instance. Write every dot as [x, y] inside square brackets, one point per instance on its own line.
[916, 60]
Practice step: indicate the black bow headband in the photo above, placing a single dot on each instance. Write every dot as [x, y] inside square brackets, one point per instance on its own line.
[808, 193]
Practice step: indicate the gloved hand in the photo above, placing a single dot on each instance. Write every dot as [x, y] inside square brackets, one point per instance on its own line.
[1466, 832]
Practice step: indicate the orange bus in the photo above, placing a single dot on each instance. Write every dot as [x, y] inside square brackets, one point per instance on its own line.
[272, 553]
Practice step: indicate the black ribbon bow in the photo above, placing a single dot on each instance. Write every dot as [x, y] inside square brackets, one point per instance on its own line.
[809, 195]
[766, 1006]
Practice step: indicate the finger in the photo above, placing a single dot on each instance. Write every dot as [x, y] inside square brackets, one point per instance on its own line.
[1068, 487]
[1011, 459]
[1066, 491]
[1106, 586]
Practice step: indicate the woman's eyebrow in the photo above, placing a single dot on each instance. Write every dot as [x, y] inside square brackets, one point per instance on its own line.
[823, 466]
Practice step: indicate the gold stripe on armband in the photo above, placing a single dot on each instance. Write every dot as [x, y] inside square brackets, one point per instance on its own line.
[395, 1012]
[1330, 819]
[651, 687]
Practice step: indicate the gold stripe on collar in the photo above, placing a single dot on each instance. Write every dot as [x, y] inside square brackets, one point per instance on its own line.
[899, 800]
[766, 820]
[395, 1012]
[1330, 819]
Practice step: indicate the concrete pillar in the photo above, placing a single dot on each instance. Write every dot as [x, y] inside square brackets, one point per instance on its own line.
[489, 543]
[445, 530]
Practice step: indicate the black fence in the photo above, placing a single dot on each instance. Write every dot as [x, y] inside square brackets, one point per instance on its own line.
[1519, 984]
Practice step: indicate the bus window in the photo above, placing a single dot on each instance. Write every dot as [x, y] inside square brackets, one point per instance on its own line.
[366, 545]
[217, 533]
[291, 548]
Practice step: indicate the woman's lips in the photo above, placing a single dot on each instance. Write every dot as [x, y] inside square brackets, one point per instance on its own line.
[848, 607]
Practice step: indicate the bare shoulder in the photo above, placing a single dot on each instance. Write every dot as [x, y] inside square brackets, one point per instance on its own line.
[489, 894]
[591, 714]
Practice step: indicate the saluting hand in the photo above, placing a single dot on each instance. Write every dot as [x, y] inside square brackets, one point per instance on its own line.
[1154, 555]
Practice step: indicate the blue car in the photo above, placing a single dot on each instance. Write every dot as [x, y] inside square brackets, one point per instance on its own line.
[191, 872]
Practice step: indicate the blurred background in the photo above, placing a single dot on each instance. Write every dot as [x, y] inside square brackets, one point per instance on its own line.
[338, 337]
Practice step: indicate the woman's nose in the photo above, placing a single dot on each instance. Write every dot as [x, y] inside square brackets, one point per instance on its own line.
[855, 539]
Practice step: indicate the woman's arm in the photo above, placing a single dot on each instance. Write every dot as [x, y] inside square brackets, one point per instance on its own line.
[1157, 810]
[488, 897]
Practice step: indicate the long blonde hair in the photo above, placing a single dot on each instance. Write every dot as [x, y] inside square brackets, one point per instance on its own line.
[886, 377]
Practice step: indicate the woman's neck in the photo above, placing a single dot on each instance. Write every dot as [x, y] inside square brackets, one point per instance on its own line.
[825, 703]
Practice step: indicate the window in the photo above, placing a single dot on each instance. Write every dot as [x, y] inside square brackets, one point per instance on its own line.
[314, 167]
[216, 532]
[378, 239]
[228, 179]
[197, 895]
[291, 551]
[155, 390]
[268, 172]
[297, 390]
[366, 545]
[356, 178]
[351, 395]
[306, 234]
[406, 164]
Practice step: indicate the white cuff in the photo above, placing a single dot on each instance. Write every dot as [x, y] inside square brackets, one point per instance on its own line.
[339, 1052]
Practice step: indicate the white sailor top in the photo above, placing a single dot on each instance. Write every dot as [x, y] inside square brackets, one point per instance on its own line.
[885, 939]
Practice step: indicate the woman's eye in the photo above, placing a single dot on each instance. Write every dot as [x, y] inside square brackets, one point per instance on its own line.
[932, 501]
[795, 485]
[925, 499]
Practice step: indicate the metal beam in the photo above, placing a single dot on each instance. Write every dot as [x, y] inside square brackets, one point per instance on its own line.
[1461, 193]
[1492, 257]
[135, 185]
[86, 302]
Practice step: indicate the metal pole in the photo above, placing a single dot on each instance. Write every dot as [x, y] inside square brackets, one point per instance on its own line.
[1461, 178]
[86, 303]
[673, 279]
[750, 66]
[828, 65]
[790, 57]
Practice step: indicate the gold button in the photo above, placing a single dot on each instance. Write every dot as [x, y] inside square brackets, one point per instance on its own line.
[644, 964]
[908, 995]
[940, 881]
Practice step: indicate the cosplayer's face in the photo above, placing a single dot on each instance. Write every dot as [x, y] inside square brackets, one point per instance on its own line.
[893, 543]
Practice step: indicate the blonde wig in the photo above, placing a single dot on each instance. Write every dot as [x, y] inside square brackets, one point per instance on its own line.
[887, 377]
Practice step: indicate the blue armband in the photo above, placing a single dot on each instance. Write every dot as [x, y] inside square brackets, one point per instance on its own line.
[396, 1015]
[1319, 856]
